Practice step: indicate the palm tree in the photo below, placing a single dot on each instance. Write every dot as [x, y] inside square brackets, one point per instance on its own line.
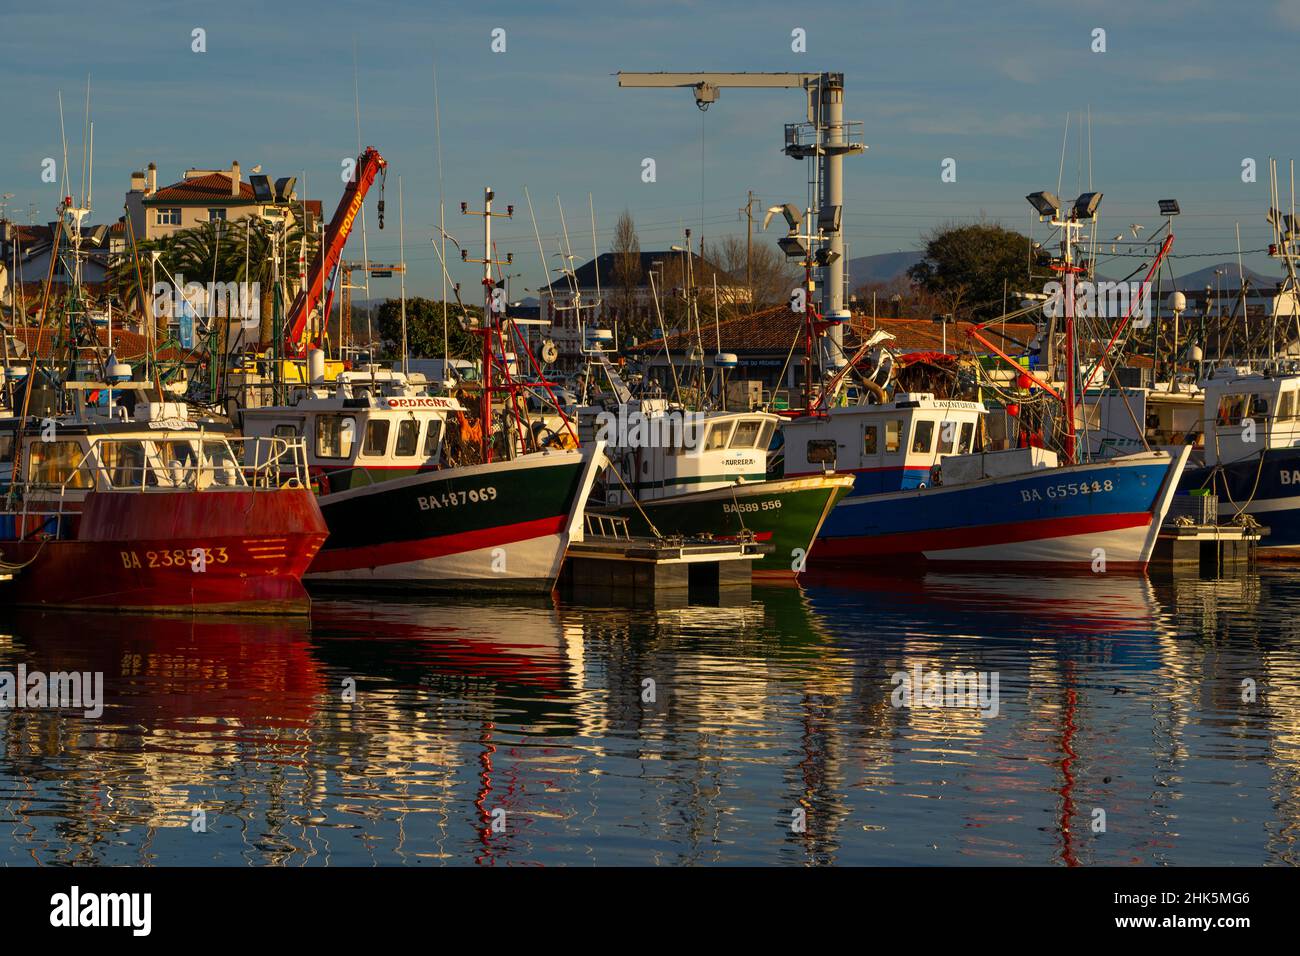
[217, 251]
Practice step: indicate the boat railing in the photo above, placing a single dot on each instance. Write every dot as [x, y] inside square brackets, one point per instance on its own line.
[277, 462]
[607, 526]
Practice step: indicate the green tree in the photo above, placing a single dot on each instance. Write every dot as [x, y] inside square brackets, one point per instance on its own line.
[424, 329]
[968, 265]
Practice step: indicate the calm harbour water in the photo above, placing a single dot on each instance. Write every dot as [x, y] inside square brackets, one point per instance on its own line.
[1116, 693]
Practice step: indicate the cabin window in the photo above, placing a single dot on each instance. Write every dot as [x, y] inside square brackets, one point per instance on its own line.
[947, 437]
[408, 437]
[124, 462]
[288, 432]
[870, 440]
[6, 447]
[765, 439]
[821, 451]
[967, 438]
[923, 438]
[746, 433]
[376, 443]
[334, 436]
[718, 436]
[220, 466]
[1286, 406]
[433, 439]
[56, 462]
[1258, 406]
[893, 431]
[178, 465]
[1233, 408]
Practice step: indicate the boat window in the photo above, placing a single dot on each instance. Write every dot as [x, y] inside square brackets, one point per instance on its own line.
[376, 443]
[870, 440]
[433, 439]
[947, 437]
[923, 439]
[821, 451]
[334, 436]
[408, 437]
[893, 429]
[6, 447]
[1258, 406]
[765, 439]
[220, 466]
[124, 462]
[967, 437]
[718, 436]
[286, 431]
[177, 464]
[1286, 406]
[55, 462]
[1232, 409]
[746, 434]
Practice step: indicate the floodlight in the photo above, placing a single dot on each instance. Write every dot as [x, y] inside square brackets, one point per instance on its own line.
[1045, 203]
[262, 190]
[1169, 207]
[1085, 207]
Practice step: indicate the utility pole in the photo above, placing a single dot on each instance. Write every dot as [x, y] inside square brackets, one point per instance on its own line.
[748, 210]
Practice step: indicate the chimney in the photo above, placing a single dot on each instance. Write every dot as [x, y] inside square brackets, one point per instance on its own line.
[234, 179]
[151, 179]
[137, 182]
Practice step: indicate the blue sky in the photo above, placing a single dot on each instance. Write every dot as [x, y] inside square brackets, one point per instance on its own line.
[1184, 92]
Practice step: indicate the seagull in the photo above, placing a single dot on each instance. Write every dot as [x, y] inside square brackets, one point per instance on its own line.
[1136, 228]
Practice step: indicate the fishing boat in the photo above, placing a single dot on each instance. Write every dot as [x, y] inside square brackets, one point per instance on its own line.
[153, 511]
[1240, 417]
[680, 472]
[927, 494]
[418, 490]
[1241, 426]
[404, 511]
[930, 490]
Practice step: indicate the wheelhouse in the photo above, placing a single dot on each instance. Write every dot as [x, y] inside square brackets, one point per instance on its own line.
[888, 447]
[661, 451]
[355, 437]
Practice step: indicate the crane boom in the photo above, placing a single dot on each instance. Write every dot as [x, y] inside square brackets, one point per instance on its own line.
[369, 165]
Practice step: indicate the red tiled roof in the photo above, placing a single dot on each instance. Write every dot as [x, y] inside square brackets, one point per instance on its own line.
[214, 186]
[776, 329]
[127, 346]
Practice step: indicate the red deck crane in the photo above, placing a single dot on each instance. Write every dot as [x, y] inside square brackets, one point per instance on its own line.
[369, 165]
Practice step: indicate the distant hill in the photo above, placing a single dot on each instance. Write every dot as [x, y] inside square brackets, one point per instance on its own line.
[1199, 279]
[880, 268]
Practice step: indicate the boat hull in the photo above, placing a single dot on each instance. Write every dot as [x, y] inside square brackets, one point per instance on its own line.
[241, 551]
[1267, 488]
[1065, 517]
[785, 513]
[502, 526]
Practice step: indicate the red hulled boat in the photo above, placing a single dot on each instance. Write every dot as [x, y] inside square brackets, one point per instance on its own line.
[154, 512]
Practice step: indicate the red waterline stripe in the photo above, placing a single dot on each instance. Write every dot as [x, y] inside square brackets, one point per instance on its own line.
[400, 552]
[982, 536]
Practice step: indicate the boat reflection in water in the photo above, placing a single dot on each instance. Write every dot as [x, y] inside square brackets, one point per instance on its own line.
[762, 732]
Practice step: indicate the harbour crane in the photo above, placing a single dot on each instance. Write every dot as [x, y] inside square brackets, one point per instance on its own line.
[825, 135]
[369, 165]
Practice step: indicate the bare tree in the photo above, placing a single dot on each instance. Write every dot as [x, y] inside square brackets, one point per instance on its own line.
[627, 271]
